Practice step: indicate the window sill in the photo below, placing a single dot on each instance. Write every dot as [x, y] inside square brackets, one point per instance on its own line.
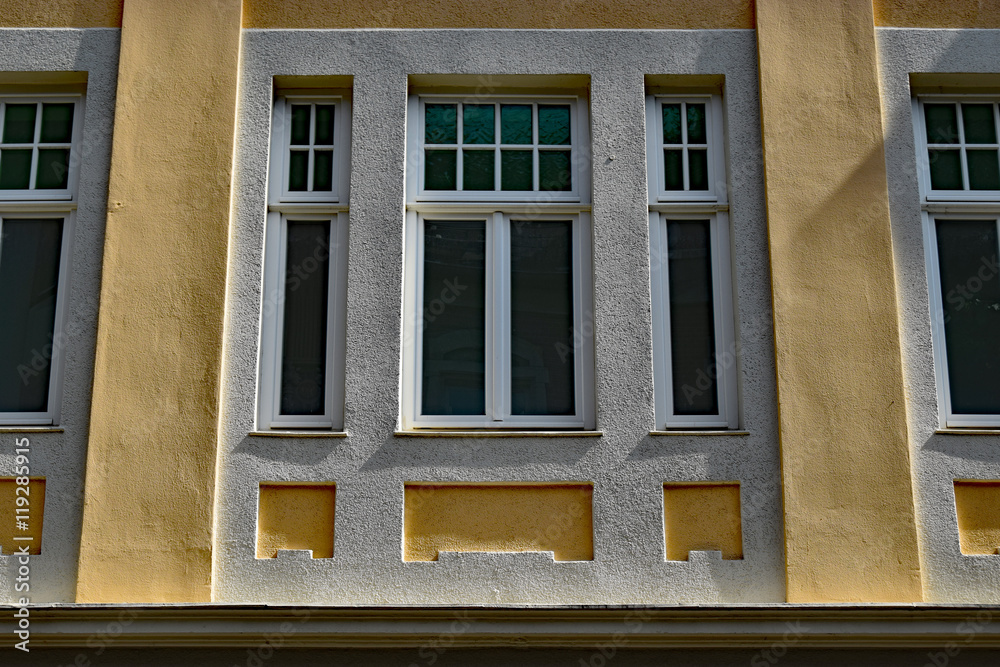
[31, 429]
[442, 433]
[707, 432]
[968, 431]
[298, 434]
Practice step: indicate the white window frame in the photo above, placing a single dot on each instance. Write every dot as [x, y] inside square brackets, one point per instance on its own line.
[942, 205]
[665, 206]
[499, 210]
[284, 207]
[48, 204]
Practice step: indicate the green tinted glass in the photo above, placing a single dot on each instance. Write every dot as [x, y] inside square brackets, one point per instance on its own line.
[515, 123]
[439, 170]
[478, 170]
[697, 170]
[942, 123]
[977, 121]
[673, 169]
[323, 171]
[516, 170]
[300, 124]
[57, 123]
[478, 124]
[15, 168]
[324, 125]
[553, 124]
[696, 124]
[946, 169]
[554, 171]
[298, 171]
[984, 170]
[671, 123]
[440, 124]
[53, 169]
[19, 124]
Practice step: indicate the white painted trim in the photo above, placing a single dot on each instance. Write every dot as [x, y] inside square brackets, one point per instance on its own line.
[51, 195]
[281, 129]
[715, 148]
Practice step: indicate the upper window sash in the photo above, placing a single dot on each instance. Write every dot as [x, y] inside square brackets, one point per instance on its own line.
[685, 153]
[535, 157]
[39, 147]
[958, 147]
[310, 149]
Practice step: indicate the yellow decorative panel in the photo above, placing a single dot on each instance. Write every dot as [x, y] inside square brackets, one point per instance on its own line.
[23, 524]
[501, 517]
[702, 517]
[296, 516]
[927, 14]
[61, 13]
[977, 504]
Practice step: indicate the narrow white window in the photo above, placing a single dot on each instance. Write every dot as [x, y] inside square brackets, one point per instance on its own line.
[498, 329]
[39, 155]
[305, 263]
[694, 341]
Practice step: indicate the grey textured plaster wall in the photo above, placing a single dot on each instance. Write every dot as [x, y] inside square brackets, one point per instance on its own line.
[938, 459]
[61, 457]
[626, 465]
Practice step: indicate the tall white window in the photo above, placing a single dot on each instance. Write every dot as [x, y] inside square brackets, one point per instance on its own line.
[694, 343]
[39, 156]
[958, 145]
[497, 328]
[305, 265]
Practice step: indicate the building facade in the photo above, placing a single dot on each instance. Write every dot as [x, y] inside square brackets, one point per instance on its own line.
[473, 332]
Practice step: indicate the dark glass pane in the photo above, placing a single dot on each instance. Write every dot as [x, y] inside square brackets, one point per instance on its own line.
[323, 171]
[454, 318]
[977, 119]
[698, 169]
[19, 124]
[515, 123]
[29, 275]
[692, 318]
[970, 288]
[478, 124]
[324, 125]
[541, 318]
[942, 123]
[57, 123]
[554, 171]
[15, 168]
[671, 123]
[300, 124]
[984, 170]
[440, 124]
[946, 169]
[553, 124]
[478, 169]
[298, 171]
[515, 170]
[439, 169]
[53, 168]
[673, 169]
[303, 343]
[696, 124]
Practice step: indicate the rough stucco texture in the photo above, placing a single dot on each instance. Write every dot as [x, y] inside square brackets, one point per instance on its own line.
[147, 533]
[296, 517]
[977, 506]
[850, 532]
[61, 13]
[702, 517]
[34, 495]
[931, 14]
[622, 14]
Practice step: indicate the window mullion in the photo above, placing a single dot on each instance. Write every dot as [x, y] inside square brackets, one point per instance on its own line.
[459, 147]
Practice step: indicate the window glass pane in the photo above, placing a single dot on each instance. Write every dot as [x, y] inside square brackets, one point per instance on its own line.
[977, 119]
[29, 274]
[300, 124]
[698, 169]
[554, 171]
[541, 318]
[970, 290]
[942, 123]
[984, 170]
[946, 169]
[324, 125]
[298, 171]
[53, 168]
[515, 123]
[692, 318]
[516, 170]
[323, 171]
[673, 168]
[696, 123]
[439, 169]
[303, 344]
[15, 168]
[553, 124]
[19, 124]
[57, 123]
[440, 123]
[454, 318]
[478, 170]
[478, 124]
[671, 123]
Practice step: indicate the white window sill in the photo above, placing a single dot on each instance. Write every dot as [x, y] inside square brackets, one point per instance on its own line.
[298, 434]
[969, 431]
[31, 429]
[706, 432]
[443, 433]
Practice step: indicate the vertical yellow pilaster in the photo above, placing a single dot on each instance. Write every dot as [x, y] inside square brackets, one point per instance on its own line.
[147, 523]
[850, 528]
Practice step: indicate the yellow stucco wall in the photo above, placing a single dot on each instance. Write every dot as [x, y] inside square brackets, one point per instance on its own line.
[61, 13]
[147, 522]
[295, 516]
[977, 505]
[938, 14]
[702, 517]
[499, 14]
[32, 500]
[498, 518]
[850, 531]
